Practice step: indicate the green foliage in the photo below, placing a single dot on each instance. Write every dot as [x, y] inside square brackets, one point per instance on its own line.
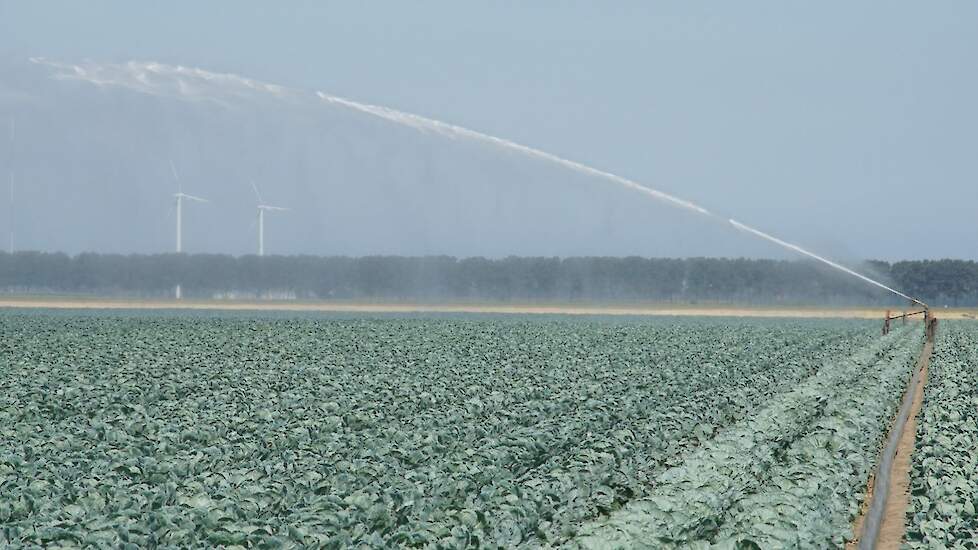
[944, 484]
[789, 476]
[152, 431]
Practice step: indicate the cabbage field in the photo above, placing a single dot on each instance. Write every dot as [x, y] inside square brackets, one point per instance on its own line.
[944, 480]
[170, 431]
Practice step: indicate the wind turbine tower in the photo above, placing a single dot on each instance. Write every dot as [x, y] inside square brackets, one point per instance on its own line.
[262, 208]
[180, 196]
[11, 205]
[11, 221]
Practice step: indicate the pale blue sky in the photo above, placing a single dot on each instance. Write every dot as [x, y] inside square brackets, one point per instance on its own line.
[847, 126]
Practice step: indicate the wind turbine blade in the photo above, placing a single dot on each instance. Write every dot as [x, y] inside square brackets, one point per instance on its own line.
[193, 198]
[257, 194]
[281, 208]
[176, 176]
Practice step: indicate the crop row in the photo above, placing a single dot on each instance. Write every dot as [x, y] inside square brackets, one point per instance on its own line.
[790, 476]
[184, 432]
[944, 481]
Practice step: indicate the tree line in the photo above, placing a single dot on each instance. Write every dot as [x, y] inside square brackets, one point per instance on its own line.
[512, 279]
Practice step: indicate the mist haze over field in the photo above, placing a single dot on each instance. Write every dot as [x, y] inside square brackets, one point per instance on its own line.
[325, 274]
[355, 184]
[845, 133]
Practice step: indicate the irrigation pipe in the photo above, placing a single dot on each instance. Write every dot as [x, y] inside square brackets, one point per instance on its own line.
[881, 486]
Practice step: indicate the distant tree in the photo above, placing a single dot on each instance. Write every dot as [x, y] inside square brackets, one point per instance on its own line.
[595, 279]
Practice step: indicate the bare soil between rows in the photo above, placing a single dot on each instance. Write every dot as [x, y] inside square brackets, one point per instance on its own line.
[894, 526]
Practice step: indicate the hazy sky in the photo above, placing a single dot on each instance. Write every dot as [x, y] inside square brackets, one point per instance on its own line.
[849, 127]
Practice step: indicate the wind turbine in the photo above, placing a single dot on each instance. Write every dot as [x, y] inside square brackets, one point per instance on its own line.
[262, 208]
[11, 205]
[11, 244]
[180, 195]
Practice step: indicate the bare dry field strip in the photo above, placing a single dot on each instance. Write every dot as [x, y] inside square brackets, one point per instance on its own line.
[545, 309]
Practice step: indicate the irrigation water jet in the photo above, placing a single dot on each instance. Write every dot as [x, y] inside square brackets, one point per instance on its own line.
[800, 250]
[452, 131]
[197, 84]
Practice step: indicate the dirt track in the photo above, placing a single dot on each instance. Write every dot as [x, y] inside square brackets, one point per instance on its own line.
[895, 521]
[557, 309]
[894, 525]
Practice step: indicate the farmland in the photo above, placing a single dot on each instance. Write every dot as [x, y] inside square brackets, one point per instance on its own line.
[183, 431]
[945, 466]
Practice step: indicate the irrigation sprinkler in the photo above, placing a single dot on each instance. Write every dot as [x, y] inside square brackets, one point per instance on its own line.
[930, 321]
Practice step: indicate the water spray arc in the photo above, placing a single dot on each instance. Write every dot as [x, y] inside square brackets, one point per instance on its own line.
[451, 131]
[224, 89]
[826, 261]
